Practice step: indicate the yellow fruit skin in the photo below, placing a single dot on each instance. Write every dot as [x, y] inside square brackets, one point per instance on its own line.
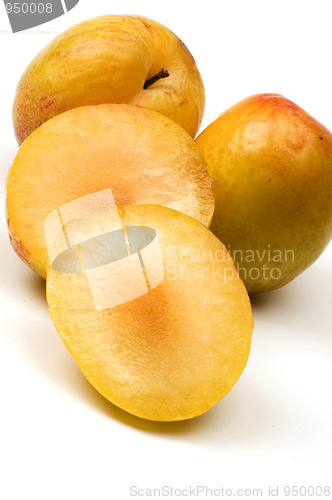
[174, 352]
[21, 251]
[105, 60]
[272, 168]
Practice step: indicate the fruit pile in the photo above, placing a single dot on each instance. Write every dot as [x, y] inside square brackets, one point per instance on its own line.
[110, 199]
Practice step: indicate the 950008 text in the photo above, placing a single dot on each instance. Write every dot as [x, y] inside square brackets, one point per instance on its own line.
[29, 8]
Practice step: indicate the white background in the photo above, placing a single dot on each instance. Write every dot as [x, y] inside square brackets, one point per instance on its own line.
[59, 439]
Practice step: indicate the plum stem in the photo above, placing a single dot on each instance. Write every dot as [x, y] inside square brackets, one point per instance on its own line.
[163, 73]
